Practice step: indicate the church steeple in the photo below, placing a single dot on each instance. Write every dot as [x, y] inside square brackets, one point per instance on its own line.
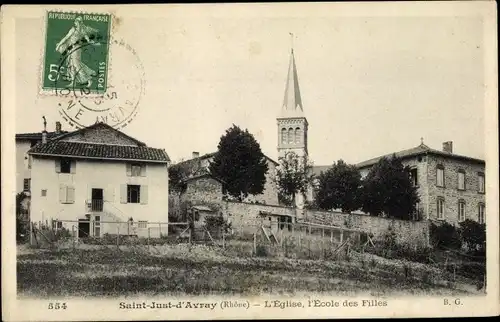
[292, 103]
[292, 124]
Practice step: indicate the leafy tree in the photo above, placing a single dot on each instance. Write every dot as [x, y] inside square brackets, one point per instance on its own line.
[240, 164]
[293, 176]
[387, 189]
[176, 175]
[339, 187]
[473, 234]
[22, 218]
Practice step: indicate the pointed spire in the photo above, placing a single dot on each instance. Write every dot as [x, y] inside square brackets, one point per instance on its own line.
[292, 103]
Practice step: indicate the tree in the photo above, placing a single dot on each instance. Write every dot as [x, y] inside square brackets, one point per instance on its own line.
[388, 189]
[293, 175]
[339, 187]
[240, 164]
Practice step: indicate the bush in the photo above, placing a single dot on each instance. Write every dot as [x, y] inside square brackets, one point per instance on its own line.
[261, 251]
[473, 234]
[217, 224]
[445, 236]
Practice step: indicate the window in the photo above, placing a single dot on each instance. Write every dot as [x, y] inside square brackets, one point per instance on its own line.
[461, 210]
[56, 224]
[440, 208]
[414, 176]
[440, 176]
[481, 218]
[290, 136]
[97, 226]
[27, 184]
[461, 180]
[44, 192]
[133, 193]
[297, 135]
[66, 194]
[481, 187]
[136, 170]
[283, 136]
[142, 224]
[65, 166]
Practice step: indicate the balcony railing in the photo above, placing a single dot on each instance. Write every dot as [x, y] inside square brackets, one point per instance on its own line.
[96, 205]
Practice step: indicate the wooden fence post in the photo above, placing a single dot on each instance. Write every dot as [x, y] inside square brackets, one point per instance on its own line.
[254, 243]
[118, 236]
[341, 235]
[331, 235]
[149, 235]
[74, 236]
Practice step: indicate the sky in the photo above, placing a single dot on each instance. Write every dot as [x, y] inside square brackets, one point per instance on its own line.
[370, 84]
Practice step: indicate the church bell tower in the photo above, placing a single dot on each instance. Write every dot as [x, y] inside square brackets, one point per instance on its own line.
[292, 124]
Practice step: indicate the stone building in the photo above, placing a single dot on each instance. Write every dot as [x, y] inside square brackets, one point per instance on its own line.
[451, 186]
[199, 166]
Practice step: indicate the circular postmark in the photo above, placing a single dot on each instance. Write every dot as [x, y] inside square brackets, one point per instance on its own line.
[108, 93]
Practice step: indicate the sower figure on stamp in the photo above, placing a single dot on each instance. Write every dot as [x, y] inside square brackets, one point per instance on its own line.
[71, 44]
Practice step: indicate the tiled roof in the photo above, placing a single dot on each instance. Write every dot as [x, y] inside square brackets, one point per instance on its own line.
[419, 150]
[413, 152]
[100, 151]
[38, 135]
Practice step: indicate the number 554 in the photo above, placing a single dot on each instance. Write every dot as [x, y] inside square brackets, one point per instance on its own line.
[55, 71]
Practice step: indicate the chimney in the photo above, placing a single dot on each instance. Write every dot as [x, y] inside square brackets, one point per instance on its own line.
[448, 146]
[58, 127]
[196, 154]
[44, 132]
[44, 137]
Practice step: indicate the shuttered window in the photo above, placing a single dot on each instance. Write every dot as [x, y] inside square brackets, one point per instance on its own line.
[66, 194]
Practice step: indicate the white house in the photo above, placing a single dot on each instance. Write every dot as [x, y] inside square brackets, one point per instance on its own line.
[89, 179]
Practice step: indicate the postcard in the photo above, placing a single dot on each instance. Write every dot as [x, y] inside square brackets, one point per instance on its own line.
[249, 161]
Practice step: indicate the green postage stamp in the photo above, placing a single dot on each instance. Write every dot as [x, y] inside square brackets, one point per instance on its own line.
[76, 52]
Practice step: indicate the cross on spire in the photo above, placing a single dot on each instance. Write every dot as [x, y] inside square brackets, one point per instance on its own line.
[422, 141]
[291, 40]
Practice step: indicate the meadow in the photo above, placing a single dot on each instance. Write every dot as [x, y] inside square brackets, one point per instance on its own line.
[198, 270]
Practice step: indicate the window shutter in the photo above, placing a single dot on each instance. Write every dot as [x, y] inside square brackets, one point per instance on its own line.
[144, 195]
[143, 170]
[73, 167]
[58, 166]
[70, 194]
[62, 194]
[123, 193]
[129, 170]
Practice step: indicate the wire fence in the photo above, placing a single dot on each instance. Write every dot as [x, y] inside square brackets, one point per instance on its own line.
[288, 240]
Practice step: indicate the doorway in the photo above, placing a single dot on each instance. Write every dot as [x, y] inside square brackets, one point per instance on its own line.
[83, 228]
[97, 199]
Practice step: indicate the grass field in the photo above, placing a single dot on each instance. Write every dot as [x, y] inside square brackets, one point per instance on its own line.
[201, 270]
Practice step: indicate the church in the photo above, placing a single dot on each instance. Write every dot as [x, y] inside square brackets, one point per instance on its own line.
[451, 186]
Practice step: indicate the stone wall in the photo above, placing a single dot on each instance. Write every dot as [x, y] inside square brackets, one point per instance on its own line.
[246, 218]
[450, 192]
[203, 190]
[407, 232]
